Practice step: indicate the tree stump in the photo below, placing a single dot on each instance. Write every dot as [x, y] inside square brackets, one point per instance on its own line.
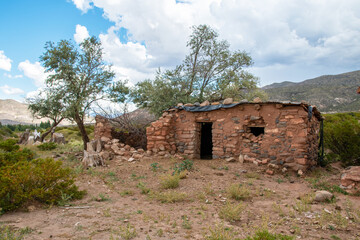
[92, 157]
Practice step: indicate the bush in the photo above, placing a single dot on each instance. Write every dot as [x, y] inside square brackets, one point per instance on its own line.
[170, 181]
[342, 137]
[47, 146]
[9, 145]
[266, 235]
[12, 157]
[24, 179]
[43, 180]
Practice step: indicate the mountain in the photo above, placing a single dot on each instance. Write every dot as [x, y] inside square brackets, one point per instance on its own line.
[330, 93]
[14, 112]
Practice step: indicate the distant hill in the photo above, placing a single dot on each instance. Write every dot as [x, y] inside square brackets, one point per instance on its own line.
[14, 112]
[330, 93]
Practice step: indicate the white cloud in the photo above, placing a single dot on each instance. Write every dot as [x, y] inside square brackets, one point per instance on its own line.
[34, 71]
[81, 33]
[13, 76]
[318, 35]
[83, 5]
[11, 90]
[5, 62]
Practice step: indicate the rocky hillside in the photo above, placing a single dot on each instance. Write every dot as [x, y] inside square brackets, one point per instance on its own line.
[330, 93]
[14, 112]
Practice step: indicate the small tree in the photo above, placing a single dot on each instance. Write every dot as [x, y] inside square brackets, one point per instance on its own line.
[47, 105]
[79, 76]
[210, 71]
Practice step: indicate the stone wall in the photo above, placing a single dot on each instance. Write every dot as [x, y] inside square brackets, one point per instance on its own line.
[290, 138]
[102, 128]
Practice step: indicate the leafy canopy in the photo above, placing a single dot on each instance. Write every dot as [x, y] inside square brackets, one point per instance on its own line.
[211, 71]
[78, 77]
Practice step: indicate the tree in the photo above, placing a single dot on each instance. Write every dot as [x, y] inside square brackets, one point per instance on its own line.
[210, 71]
[47, 105]
[79, 76]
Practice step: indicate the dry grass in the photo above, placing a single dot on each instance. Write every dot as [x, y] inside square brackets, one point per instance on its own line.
[219, 232]
[231, 212]
[169, 181]
[238, 192]
[169, 196]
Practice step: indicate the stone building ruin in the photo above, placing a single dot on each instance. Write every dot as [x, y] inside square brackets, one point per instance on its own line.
[281, 133]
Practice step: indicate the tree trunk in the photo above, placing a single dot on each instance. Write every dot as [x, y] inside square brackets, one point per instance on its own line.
[43, 136]
[82, 129]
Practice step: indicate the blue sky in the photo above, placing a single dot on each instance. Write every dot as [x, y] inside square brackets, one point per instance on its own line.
[288, 40]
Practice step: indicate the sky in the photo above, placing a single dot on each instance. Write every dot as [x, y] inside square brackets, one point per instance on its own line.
[288, 40]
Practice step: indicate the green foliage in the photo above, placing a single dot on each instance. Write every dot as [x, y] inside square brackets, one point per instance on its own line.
[143, 188]
[24, 179]
[264, 234]
[324, 185]
[43, 180]
[6, 132]
[7, 233]
[47, 146]
[78, 76]
[342, 137]
[9, 145]
[155, 166]
[184, 165]
[14, 155]
[210, 71]
[330, 93]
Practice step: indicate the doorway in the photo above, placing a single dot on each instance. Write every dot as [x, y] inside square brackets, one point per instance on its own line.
[206, 145]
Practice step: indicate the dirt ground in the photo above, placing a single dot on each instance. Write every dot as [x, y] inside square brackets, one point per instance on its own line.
[115, 207]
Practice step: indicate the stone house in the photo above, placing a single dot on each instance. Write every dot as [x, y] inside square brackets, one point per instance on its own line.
[280, 133]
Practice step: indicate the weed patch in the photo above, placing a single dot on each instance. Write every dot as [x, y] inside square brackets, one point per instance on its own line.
[231, 212]
[169, 181]
[238, 192]
[266, 235]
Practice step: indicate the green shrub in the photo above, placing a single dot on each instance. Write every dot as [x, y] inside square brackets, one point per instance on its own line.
[9, 145]
[184, 165]
[47, 146]
[43, 180]
[342, 137]
[8, 158]
[266, 235]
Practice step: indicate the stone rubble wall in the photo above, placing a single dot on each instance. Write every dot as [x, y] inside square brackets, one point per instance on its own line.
[160, 135]
[102, 128]
[290, 139]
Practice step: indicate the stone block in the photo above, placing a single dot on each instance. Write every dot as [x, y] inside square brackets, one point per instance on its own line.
[228, 101]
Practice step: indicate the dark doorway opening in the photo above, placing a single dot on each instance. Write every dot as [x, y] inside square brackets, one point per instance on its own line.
[206, 145]
[257, 130]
